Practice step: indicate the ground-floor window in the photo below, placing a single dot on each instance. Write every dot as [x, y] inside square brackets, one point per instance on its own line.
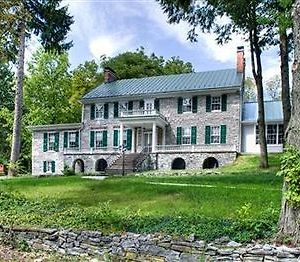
[49, 167]
[274, 134]
[186, 135]
[215, 135]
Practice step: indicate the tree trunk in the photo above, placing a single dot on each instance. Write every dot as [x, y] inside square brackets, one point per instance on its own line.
[257, 74]
[289, 223]
[16, 136]
[285, 82]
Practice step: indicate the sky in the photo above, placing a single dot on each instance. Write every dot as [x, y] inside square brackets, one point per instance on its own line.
[110, 27]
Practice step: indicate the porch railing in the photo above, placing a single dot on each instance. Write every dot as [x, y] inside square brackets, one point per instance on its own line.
[197, 148]
[142, 112]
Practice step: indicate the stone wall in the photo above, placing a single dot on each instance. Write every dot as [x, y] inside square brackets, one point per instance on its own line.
[148, 247]
[193, 160]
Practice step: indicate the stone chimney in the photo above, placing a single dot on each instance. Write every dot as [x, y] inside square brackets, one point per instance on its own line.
[109, 75]
[240, 60]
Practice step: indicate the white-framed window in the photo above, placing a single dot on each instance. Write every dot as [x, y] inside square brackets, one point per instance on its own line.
[99, 139]
[99, 111]
[186, 135]
[187, 104]
[215, 134]
[274, 134]
[124, 106]
[49, 167]
[72, 140]
[215, 103]
[51, 141]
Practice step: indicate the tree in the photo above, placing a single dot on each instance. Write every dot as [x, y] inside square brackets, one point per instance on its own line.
[138, 64]
[280, 13]
[47, 89]
[7, 105]
[273, 88]
[289, 227]
[247, 18]
[45, 19]
[84, 78]
[250, 90]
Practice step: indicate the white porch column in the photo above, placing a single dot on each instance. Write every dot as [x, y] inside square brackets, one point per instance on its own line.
[164, 136]
[121, 134]
[133, 140]
[154, 137]
[142, 138]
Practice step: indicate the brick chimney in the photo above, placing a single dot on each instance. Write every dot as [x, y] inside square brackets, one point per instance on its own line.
[240, 60]
[109, 75]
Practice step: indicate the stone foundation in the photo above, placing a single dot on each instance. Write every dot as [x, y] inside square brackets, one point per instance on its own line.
[193, 160]
[148, 247]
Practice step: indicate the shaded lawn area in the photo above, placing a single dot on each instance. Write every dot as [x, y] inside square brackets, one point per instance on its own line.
[240, 192]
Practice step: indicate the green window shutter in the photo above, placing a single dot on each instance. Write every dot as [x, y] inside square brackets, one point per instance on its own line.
[53, 166]
[77, 139]
[56, 137]
[223, 134]
[156, 104]
[116, 138]
[106, 108]
[92, 113]
[45, 144]
[180, 102]
[104, 138]
[92, 139]
[207, 135]
[208, 103]
[130, 105]
[224, 102]
[194, 135]
[116, 109]
[66, 134]
[129, 139]
[142, 104]
[45, 166]
[179, 135]
[194, 104]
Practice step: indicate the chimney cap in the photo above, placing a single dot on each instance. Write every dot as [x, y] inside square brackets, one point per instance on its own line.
[240, 48]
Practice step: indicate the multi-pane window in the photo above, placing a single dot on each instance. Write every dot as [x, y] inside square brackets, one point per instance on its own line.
[99, 139]
[124, 106]
[51, 142]
[186, 135]
[99, 111]
[215, 135]
[49, 167]
[216, 103]
[271, 134]
[187, 104]
[274, 134]
[73, 140]
[280, 134]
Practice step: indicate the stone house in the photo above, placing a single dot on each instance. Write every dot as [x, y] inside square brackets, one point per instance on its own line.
[164, 122]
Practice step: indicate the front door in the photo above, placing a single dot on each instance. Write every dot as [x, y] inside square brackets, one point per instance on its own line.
[148, 140]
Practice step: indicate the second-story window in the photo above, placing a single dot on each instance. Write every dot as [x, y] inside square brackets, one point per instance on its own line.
[99, 139]
[187, 104]
[216, 103]
[51, 142]
[73, 140]
[186, 136]
[99, 111]
[215, 135]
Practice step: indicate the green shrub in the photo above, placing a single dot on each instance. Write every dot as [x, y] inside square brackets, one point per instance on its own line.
[67, 171]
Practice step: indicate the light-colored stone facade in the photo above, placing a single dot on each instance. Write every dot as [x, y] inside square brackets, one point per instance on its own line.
[162, 157]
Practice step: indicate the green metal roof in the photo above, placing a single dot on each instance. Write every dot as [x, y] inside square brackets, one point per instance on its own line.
[227, 78]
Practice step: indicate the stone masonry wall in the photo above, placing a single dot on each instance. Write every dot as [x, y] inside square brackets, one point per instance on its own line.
[193, 160]
[148, 247]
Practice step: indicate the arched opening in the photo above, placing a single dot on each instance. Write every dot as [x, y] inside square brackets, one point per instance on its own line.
[78, 166]
[178, 163]
[210, 162]
[101, 165]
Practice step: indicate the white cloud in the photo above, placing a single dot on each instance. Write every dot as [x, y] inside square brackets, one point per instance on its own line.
[109, 45]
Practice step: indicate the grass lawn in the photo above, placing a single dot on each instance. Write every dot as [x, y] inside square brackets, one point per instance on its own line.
[239, 197]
